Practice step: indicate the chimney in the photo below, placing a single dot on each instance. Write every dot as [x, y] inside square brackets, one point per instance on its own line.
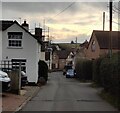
[25, 25]
[38, 33]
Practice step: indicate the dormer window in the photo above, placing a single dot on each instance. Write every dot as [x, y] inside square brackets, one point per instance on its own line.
[15, 39]
[93, 46]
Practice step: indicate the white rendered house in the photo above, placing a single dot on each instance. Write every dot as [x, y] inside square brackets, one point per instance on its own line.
[19, 43]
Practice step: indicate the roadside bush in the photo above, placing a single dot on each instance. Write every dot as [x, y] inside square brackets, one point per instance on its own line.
[42, 70]
[110, 74]
[96, 71]
[106, 72]
[84, 69]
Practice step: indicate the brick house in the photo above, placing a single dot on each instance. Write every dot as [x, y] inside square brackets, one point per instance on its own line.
[59, 59]
[99, 43]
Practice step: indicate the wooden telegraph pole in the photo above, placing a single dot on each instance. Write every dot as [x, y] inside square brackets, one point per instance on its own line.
[110, 36]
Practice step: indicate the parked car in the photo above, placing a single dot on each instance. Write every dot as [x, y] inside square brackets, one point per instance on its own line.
[24, 80]
[70, 73]
[4, 81]
[66, 67]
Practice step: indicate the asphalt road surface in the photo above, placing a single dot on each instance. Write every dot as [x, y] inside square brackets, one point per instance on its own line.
[66, 94]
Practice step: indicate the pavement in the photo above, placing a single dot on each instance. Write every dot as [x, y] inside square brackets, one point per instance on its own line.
[13, 102]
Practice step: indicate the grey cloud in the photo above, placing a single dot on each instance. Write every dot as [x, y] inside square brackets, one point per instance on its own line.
[50, 7]
[50, 20]
[37, 7]
[99, 5]
[68, 30]
[83, 37]
[80, 38]
[87, 22]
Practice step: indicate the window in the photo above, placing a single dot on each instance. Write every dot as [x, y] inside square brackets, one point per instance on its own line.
[93, 47]
[15, 39]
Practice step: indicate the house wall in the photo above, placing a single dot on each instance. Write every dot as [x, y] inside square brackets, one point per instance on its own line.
[106, 51]
[62, 63]
[89, 53]
[55, 61]
[30, 52]
[42, 56]
[0, 45]
[98, 52]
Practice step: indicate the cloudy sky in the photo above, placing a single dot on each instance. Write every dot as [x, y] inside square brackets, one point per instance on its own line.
[66, 20]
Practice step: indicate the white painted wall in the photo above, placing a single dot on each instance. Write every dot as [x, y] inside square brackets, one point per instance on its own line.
[42, 56]
[30, 52]
[0, 45]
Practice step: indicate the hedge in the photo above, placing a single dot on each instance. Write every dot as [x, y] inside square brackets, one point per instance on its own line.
[96, 70]
[84, 69]
[110, 74]
[42, 70]
[106, 73]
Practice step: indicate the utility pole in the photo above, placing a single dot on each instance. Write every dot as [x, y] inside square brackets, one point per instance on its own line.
[110, 34]
[103, 21]
[110, 8]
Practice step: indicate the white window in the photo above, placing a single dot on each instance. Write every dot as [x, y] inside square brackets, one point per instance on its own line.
[15, 39]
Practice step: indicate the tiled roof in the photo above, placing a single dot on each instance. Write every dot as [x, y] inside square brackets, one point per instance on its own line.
[5, 24]
[84, 44]
[63, 54]
[103, 38]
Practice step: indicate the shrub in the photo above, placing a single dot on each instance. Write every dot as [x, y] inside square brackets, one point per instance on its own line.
[96, 71]
[42, 70]
[110, 74]
[106, 72]
[84, 69]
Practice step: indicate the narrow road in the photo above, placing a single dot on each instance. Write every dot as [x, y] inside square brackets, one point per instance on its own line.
[66, 94]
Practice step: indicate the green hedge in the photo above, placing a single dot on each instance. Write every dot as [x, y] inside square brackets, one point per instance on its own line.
[42, 70]
[106, 73]
[96, 71]
[103, 71]
[84, 69]
[110, 74]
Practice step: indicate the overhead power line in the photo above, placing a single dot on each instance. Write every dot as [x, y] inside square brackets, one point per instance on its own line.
[63, 10]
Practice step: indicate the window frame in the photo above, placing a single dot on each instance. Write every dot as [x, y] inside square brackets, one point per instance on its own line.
[15, 40]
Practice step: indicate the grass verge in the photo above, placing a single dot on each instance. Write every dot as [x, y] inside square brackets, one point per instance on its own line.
[110, 99]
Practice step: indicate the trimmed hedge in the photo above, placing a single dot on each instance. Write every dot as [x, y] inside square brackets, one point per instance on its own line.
[96, 71]
[42, 70]
[110, 74]
[84, 69]
[103, 71]
[106, 73]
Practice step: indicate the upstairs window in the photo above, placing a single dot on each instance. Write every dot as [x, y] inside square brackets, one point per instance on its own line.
[93, 46]
[15, 39]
